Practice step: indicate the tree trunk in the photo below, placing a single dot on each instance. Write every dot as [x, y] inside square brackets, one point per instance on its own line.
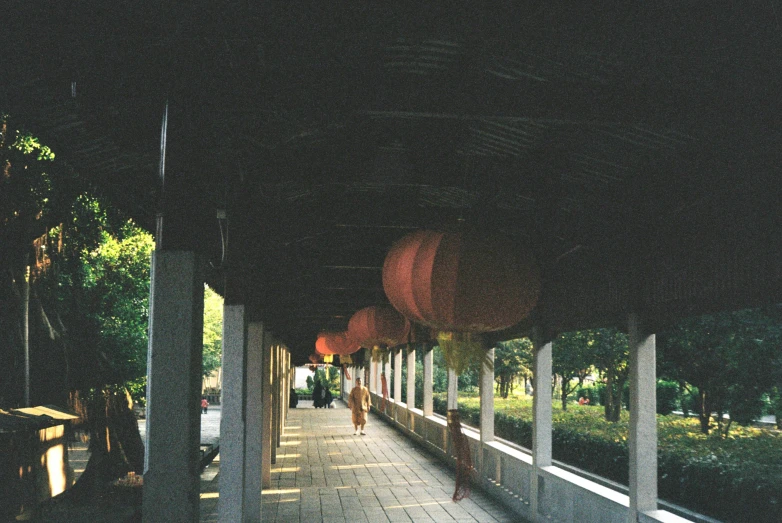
[564, 395]
[608, 408]
[115, 444]
[705, 414]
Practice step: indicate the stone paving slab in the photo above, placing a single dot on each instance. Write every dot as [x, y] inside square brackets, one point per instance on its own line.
[325, 473]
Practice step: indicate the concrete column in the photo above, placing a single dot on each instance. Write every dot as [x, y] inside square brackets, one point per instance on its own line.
[172, 455]
[380, 369]
[398, 376]
[541, 421]
[428, 381]
[410, 400]
[372, 376]
[275, 401]
[389, 373]
[453, 389]
[232, 420]
[254, 423]
[642, 439]
[487, 398]
[266, 446]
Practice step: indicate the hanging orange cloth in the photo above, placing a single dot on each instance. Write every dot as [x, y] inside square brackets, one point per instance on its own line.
[384, 384]
[347, 373]
[464, 468]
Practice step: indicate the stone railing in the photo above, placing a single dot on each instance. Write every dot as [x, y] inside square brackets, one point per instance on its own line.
[505, 472]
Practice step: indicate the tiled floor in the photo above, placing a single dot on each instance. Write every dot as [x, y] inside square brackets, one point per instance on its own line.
[325, 473]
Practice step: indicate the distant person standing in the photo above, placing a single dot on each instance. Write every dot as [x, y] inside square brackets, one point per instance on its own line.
[318, 394]
[204, 405]
[359, 403]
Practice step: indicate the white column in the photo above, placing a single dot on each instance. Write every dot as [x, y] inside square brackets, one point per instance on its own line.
[428, 381]
[642, 439]
[410, 377]
[380, 369]
[541, 419]
[232, 421]
[487, 398]
[398, 376]
[171, 464]
[372, 375]
[453, 390]
[266, 446]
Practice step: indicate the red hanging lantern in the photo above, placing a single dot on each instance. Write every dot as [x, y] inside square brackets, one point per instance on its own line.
[375, 326]
[460, 282]
[340, 343]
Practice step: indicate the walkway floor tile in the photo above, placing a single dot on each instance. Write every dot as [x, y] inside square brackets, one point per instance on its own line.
[325, 473]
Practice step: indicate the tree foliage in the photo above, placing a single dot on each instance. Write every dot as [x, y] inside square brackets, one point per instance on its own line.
[732, 358]
[213, 331]
[512, 360]
[572, 359]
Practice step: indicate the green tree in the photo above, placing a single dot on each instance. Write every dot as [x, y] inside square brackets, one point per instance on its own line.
[512, 359]
[609, 353]
[213, 331]
[572, 358]
[732, 358]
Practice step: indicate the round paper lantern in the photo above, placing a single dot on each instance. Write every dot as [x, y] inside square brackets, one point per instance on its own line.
[460, 282]
[374, 326]
[340, 343]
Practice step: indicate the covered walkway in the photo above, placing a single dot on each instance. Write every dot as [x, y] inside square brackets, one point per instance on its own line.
[324, 472]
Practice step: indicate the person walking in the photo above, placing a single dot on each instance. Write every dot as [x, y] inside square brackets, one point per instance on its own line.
[204, 405]
[359, 403]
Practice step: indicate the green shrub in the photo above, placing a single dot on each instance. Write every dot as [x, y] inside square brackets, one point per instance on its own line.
[738, 478]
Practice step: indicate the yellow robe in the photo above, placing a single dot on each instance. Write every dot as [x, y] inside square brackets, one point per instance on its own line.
[359, 403]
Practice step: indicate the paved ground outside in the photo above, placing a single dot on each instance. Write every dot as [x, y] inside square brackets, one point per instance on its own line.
[210, 426]
[325, 473]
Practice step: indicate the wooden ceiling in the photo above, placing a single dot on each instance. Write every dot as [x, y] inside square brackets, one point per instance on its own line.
[634, 148]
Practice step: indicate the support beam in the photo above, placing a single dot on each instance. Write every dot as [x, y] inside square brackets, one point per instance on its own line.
[410, 400]
[642, 439]
[541, 423]
[171, 468]
[428, 381]
[487, 398]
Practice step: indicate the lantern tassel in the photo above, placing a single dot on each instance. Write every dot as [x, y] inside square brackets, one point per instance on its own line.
[464, 467]
[462, 349]
[347, 372]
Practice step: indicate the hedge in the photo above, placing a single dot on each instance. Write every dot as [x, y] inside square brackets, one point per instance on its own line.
[734, 479]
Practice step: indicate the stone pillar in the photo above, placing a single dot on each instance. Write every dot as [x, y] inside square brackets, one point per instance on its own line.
[266, 447]
[172, 456]
[453, 390]
[398, 376]
[254, 423]
[428, 381]
[541, 421]
[487, 398]
[410, 400]
[275, 401]
[642, 439]
[372, 375]
[232, 420]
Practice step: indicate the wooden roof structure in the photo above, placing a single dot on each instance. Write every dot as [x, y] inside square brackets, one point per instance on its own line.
[633, 147]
